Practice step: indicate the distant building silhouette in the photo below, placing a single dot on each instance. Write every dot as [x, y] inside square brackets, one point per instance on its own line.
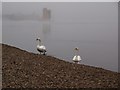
[46, 25]
[46, 14]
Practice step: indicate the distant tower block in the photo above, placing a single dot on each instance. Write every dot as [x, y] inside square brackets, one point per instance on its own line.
[49, 14]
[46, 23]
[46, 14]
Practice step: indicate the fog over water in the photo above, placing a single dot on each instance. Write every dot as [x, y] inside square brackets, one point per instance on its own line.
[93, 27]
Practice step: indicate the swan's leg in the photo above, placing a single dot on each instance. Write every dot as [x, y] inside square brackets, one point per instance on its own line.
[43, 53]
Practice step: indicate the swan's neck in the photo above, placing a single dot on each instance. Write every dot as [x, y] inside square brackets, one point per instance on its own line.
[39, 43]
[76, 53]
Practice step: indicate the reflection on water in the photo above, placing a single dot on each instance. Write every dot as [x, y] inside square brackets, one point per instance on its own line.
[46, 28]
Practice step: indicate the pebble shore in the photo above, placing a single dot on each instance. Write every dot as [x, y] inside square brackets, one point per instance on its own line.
[22, 69]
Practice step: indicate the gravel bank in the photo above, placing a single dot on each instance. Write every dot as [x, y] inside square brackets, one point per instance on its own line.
[22, 69]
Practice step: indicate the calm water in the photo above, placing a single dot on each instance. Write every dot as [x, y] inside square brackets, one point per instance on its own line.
[96, 39]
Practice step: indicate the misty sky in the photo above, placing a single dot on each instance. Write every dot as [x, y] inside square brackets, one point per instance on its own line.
[70, 12]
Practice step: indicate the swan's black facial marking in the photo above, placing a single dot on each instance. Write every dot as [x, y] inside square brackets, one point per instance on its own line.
[38, 39]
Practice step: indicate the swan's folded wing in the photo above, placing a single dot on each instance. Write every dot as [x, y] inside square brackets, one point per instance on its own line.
[42, 47]
[74, 58]
[79, 58]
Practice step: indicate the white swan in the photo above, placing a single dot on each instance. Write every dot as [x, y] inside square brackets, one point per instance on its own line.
[77, 58]
[41, 48]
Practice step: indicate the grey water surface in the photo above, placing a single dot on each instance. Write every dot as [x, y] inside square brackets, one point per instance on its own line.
[93, 27]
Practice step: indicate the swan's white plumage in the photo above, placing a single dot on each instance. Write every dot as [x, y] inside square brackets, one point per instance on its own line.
[41, 47]
[77, 58]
